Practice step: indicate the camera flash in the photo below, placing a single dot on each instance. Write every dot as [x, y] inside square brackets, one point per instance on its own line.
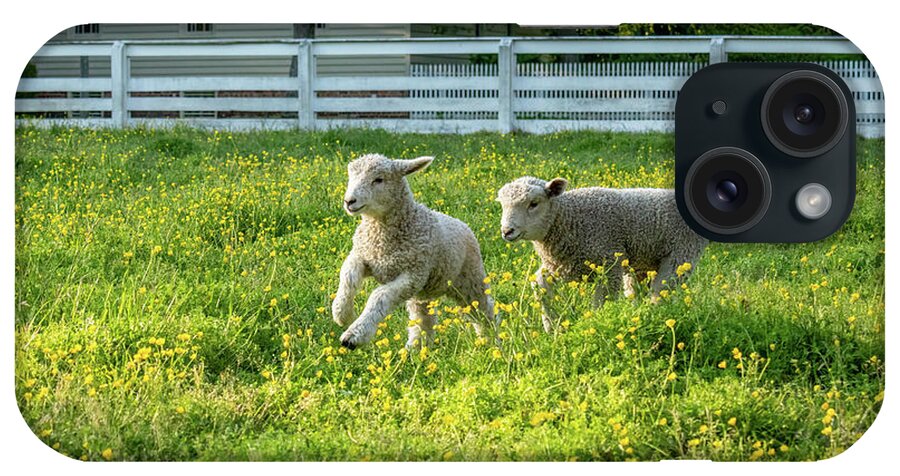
[813, 201]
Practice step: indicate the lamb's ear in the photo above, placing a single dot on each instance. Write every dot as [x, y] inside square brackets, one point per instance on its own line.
[414, 165]
[556, 187]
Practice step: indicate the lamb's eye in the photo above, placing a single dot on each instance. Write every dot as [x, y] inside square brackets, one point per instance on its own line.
[532, 205]
[378, 180]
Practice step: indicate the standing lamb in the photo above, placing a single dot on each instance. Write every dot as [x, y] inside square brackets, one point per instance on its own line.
[598, 225]
[416, 254]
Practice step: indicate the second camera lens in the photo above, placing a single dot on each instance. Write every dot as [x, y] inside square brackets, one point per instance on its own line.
[804, 113]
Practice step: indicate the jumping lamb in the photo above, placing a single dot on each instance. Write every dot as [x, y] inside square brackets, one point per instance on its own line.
[416, 255]
[602, 226]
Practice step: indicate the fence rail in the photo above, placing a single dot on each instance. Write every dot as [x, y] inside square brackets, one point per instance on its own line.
[502, 96]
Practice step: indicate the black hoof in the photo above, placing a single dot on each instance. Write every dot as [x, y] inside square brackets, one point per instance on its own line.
[348, 344]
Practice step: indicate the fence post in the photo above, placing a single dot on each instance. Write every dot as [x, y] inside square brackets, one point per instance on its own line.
[119, 73]
[717, 53]
[306, 74]
[506, 69]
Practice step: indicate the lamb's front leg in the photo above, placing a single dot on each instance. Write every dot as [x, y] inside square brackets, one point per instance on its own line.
[383, 299]
[352, 274]
[543, 290]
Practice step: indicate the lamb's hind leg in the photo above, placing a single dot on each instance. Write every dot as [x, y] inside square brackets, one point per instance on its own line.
[485, 318]
[471, 291]
[421, 324]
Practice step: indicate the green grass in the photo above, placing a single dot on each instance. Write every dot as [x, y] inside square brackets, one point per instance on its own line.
[173, 293]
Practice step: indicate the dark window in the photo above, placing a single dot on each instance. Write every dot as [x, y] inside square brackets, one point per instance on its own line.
[199, 27]
[87, 29]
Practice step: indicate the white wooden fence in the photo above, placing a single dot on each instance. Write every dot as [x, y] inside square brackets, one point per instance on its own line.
[502, 96]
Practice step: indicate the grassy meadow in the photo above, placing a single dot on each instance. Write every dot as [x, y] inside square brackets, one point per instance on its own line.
[173, 292]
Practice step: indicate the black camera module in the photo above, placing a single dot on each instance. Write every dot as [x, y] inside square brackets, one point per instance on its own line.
[779, 166]
[804, 113]
[728, 190]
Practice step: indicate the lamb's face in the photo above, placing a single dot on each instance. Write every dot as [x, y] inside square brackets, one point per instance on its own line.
[527, 207]
[376, 183]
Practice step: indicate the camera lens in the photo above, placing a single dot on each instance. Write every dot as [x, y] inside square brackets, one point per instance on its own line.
[804, 113]
[727, 190]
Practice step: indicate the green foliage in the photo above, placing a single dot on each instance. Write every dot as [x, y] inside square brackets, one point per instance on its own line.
[173, 293]
[30, 71]
[685, 29]
[741, 29]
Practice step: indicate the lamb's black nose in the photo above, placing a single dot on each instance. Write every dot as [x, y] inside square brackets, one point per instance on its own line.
[508, 232]
[350, 202]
